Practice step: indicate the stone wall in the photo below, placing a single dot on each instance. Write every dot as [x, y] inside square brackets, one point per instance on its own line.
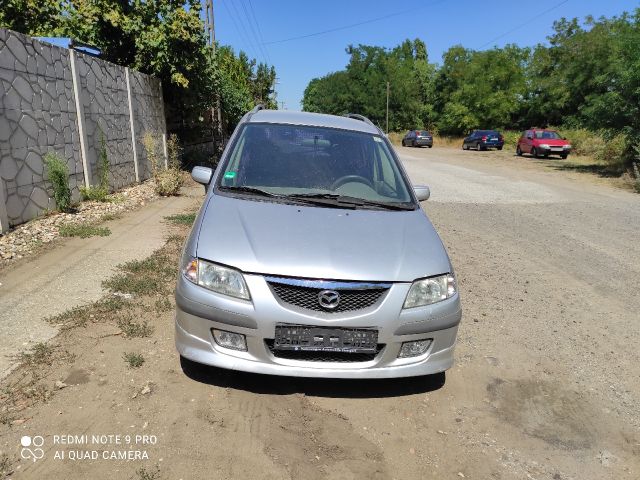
[38, 115]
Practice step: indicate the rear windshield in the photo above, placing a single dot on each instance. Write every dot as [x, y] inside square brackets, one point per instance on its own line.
[292, 160]
[488, 132]
[423, 133]
[547, 134]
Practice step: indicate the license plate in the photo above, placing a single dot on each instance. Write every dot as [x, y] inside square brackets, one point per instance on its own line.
[324, 339]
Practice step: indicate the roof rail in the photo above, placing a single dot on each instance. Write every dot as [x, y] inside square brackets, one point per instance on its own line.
[255, 110]
[362, 118]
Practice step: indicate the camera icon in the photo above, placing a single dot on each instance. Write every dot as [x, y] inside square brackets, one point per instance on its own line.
[31, 447]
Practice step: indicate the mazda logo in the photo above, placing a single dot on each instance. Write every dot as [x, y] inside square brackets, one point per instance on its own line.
[328, 299]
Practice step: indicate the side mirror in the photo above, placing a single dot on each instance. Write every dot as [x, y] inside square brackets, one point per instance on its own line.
[422, 192]
[202, 175]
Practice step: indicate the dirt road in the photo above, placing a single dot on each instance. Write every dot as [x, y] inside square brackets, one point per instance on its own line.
[546, 384]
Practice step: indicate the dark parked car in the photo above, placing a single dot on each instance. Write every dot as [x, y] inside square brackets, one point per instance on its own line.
[417, 138]
[483, 139]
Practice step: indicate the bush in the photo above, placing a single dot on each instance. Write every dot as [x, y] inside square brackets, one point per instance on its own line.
[58, 174]
[167, 180]
[95, 194]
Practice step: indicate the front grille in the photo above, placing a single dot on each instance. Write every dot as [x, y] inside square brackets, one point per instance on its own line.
[340, 357]
[307, 297]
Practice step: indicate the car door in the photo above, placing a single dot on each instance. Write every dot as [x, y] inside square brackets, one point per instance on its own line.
[525, 141]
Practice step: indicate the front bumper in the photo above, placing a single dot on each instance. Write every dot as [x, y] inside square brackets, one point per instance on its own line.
[199, 310]
[554, 150]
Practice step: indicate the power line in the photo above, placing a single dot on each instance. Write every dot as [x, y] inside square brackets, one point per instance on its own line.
[240, 33]
[345, 27]
[255, 20]
[523, 24]
[253, 31]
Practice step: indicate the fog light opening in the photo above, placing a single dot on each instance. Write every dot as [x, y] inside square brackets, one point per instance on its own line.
[233, 341]
[415, 348]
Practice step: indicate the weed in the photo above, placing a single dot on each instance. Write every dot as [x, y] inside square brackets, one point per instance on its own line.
[134, 329]
[82, 230]
[96, 194]
[134, 360]
[143, 277]
[5, 466]
[167, 180]
[144, 474]
[182, 218]
[163, 305]
[40, 354]
[58, 175]
[110, 216]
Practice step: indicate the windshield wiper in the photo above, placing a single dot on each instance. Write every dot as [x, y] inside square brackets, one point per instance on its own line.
[255, 191]
[347, 201]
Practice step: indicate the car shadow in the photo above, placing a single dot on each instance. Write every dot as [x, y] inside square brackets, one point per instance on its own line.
[317, 387]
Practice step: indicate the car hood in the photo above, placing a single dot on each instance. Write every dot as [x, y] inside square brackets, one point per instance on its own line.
[315, 242]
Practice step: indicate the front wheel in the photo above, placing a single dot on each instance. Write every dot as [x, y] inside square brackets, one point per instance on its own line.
[478, 147]
[518, 151]
[534, 152]
[499, 148]
[564, 156]
[430, 146]
[465, 146]
[404, 144]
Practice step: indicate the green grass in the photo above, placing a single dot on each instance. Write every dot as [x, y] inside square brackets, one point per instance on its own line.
[134, 360]
[135, 329]
[40, 354]
[144, 277]
[83, 230]
[182, 218]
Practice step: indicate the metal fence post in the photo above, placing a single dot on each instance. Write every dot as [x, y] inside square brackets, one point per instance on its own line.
[134, 143]
[77, 93]
[4, 218]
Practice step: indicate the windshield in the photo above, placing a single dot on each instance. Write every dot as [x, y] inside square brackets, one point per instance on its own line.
[548, 135]
[292, 160]
[423, 133]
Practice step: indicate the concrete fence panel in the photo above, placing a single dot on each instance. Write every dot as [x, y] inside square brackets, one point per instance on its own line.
[38, 114]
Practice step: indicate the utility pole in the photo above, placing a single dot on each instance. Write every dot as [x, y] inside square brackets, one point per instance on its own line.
[387, 108]
[216, 114]
[281, 105]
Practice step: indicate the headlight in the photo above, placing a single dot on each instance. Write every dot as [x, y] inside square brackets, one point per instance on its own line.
[216, 278]
[567, 147]
[544, 145]
[430, 290]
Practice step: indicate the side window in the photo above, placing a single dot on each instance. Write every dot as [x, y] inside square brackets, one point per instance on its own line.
[229, 179]
[385, 178]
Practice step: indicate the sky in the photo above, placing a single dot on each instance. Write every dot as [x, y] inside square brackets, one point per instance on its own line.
[268, 30]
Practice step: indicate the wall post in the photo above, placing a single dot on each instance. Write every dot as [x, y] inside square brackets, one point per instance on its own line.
[4, 218]
[77, 93]
[134, 144]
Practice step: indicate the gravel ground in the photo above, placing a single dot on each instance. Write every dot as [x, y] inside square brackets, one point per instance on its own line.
[29, 238]
[546, 383]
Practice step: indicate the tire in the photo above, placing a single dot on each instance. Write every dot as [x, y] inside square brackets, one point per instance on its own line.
[534, 152]
[413, 144]
[404, 143]
[564, 156]
[465, 146]
[430, 146]
[499, 148]
[479, 147]
[518, 151]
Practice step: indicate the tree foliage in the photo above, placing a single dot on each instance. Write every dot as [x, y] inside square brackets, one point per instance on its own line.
[164, 38]
[587, 76]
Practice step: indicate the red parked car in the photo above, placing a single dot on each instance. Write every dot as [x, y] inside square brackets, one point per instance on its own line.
[541, 142]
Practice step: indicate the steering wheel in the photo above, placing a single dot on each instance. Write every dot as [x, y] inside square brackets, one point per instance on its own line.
[351, 179]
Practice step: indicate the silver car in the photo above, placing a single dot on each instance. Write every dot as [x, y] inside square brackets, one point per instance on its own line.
[312, 257]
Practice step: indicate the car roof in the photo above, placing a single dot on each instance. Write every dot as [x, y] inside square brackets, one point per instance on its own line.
[311, 119]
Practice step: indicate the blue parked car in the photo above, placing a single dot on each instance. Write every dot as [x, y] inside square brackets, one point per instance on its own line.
[483, 139]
